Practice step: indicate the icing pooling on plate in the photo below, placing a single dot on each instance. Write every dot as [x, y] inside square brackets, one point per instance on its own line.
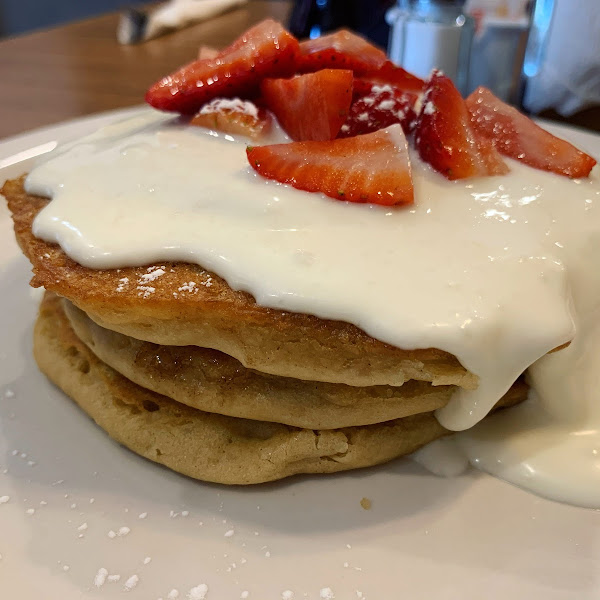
[484, 268]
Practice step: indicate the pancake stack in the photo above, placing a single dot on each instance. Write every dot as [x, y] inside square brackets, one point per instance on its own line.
[183, 370]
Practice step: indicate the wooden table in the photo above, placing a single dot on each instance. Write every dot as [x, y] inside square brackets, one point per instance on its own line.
[78, 69]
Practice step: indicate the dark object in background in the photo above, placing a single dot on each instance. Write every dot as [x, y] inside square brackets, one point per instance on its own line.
[19, 16]
[312, 18]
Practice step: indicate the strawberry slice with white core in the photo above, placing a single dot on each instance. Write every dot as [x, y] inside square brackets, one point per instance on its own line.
[266, 50]
[444, 136]
[517, 136]
[234, 116]
[312, 106]
[372, 168]
[340, 50]
[383, 106]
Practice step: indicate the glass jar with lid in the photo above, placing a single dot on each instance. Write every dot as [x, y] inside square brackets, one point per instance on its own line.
[429, 34]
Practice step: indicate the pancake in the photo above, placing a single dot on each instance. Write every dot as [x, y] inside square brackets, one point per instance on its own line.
[210, 314]
[215, 382]
[208, 446]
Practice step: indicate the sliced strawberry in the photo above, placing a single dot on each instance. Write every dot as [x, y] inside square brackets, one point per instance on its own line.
[444, 136]
[372, 168]
[312, 106]
[266, 50]
[381, 107]
[517, 136]
[340, 50]
[235, 116]
[388, 74]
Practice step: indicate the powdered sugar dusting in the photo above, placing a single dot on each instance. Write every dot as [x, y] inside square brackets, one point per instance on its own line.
[152, 274]
[145, 290]
[123, 283]
[326, 593]
[188, 287]
[198, 593]
[131, 583]
[100, 578]
[386, 105]
[230, 104]
[429, 108]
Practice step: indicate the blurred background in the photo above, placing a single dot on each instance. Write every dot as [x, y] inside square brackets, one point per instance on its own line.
[541, 55]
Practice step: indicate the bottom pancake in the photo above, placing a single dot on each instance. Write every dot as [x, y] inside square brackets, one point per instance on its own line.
[209, 446]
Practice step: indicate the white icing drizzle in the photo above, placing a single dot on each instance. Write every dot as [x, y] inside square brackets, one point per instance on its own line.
[496, 270]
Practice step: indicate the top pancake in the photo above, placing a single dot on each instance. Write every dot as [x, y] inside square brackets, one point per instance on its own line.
[210, 314]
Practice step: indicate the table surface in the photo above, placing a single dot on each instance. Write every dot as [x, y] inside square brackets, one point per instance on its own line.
[78, 69]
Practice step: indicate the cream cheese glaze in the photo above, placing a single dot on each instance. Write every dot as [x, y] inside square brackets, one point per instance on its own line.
[498, 270]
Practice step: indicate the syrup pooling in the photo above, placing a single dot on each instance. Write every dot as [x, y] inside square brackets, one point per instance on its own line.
[482, 268]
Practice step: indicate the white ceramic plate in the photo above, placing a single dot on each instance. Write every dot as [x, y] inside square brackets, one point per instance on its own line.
[69, 486]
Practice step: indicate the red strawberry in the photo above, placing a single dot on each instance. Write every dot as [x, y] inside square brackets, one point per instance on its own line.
[371, 168]
[517, 136]
[381, 107]
[266, 50]
[340, 50]
[312, 106]
[444, 136]
[388, 74]
[238, 117]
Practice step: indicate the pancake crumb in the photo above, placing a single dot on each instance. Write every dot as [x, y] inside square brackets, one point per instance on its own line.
[365, 503]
